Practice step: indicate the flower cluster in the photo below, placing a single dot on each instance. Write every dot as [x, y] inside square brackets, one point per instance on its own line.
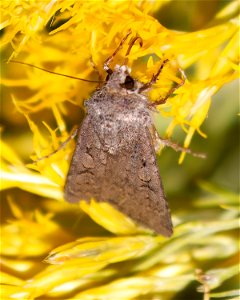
[75, 37]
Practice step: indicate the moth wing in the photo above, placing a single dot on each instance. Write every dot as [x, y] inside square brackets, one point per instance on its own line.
[129, 180]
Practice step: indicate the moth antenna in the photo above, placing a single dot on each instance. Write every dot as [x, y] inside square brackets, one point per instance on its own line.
[52, 72]
[131, 43]
[110, 58]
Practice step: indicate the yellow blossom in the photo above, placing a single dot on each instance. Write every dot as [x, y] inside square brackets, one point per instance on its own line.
[52, 249]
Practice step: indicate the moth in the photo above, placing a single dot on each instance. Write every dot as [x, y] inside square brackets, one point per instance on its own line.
[114, 159]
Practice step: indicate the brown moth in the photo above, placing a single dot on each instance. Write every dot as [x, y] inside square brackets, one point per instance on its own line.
[114, 158]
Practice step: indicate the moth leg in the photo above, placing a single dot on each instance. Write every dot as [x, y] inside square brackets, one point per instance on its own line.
[159, 141]
[170, 92]
[131, 43]
[154, 78]
[72, 136]
[110, 58]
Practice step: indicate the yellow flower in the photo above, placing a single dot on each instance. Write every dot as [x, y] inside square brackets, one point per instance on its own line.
[89, 261]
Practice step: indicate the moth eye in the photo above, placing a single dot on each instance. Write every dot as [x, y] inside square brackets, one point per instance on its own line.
[129, 83]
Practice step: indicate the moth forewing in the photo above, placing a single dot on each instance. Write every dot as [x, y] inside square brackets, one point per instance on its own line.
[114, 158]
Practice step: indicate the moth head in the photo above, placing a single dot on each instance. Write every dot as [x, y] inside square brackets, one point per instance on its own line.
[121, 78]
